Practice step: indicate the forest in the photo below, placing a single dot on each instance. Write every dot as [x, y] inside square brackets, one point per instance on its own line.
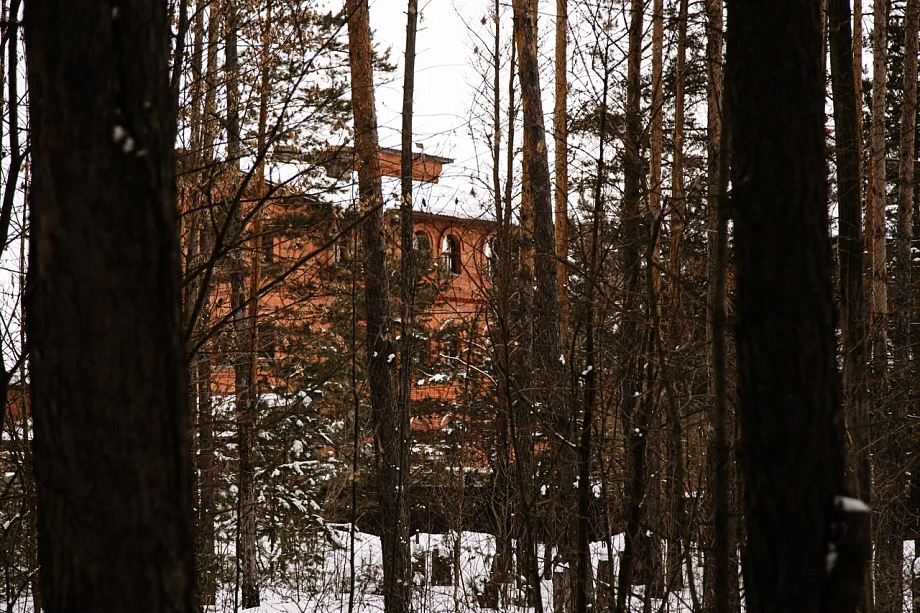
[645, 342]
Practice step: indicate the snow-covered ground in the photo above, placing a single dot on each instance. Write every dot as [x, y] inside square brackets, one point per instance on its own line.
[460, 594]
[328, 589]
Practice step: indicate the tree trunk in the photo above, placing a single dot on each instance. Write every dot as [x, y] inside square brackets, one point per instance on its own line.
[635, 422]
[246, 551]
[207, 461]
[888, 584]
[850, 250]
[583, 581]
[561, 135]
[547, 344]
[679, 547]
[720, 581]
[875, 204]
[108, 377]
[902, 306]
[389, 437]
[652, 577]
[678, 194]
[408, 270]
[499, 270]
[893, 421]
[800, 558]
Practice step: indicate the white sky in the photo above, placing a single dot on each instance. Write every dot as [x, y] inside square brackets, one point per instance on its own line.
[442, 72]
[444, 92]
[446, 82]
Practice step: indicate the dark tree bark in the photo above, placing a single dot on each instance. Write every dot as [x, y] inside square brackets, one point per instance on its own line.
[720, 584]
[108, 377]
[894, 452]
[389, 435]
[634, 414]
[850, 245]
[502, 507]
[905, 208]
[799, 556]
[679, 546]
[583, 580]
[246, 552]
[547, 343]
[206, 560]
[408, 270]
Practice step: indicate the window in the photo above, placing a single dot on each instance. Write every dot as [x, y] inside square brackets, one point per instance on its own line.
[340, 248]
[442, 568]
[267, 340]
[422, 246]
[268, 249]
[452, 347]
[450, 254]
[491, 258]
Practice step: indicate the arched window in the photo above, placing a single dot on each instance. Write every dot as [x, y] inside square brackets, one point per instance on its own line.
[422, 246]
[490, 257]
[450, 254]
[340, 248]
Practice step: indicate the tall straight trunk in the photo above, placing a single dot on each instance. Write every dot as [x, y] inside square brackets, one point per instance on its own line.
[205, 558]
[678, 193]
[904, 237]
[652, 576]
[547, 344]
[889, 540]
[582, 593]
[207, 461]
[720, 591]
[656, 138]
[499, 271]
[635, 426]
[858, 76]
[108, 370]
[679, 548]
[408, 268]
[561, 166]
[803, 551]
[905, 206]
[875, 202]
[197, 84]
[522, 414]
[724, 581]
[519, 371]
[887, 586]
[850, 252]
[389, 437]
[246, 552]
[178, 54]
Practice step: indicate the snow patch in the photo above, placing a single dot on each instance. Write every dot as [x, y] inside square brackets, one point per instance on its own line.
[850, 505]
